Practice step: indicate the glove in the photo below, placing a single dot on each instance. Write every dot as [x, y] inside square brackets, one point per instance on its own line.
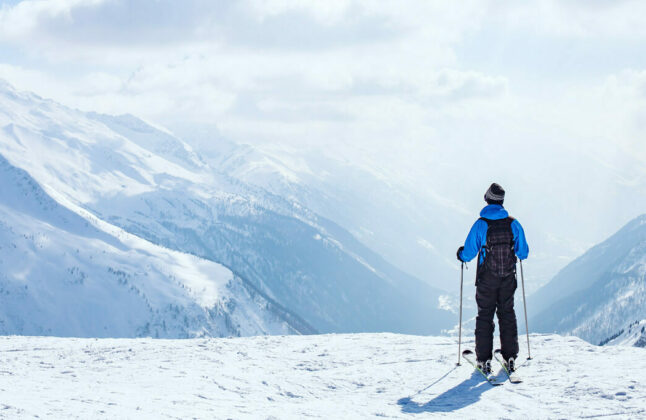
[458, 254]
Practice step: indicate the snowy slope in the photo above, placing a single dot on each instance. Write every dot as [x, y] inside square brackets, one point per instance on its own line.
[66, 273]
[317, 376]
[154, 139]
[149, 183]
[632, 335]
[599, 293]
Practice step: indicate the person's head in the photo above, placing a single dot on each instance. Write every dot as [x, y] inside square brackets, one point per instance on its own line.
[495, 194]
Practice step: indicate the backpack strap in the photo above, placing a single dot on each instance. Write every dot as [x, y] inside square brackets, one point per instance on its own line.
[484, 246]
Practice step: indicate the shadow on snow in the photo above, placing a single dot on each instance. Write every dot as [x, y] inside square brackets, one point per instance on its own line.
[464, 394]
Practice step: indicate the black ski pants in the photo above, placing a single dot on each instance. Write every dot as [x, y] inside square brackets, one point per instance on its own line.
[496, 294]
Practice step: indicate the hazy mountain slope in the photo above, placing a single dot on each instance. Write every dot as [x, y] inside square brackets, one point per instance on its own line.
[385, 218]
[306, 269]
[67, 275]
[600, 292]
[413, 203]
[306, 264]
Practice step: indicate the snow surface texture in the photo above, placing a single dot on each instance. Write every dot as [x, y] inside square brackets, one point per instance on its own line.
[320, 376]
[597, 295]
[149, 183]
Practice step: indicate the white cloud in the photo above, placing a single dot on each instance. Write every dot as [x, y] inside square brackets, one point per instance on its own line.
[32, 80]
[206, 61]
[567, 19]
[628, 84]
[292, 62]
[28, 17]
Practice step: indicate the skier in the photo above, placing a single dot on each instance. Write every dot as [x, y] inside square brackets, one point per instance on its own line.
[497, 239]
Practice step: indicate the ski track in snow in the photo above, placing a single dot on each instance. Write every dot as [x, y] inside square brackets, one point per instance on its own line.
[319, 376]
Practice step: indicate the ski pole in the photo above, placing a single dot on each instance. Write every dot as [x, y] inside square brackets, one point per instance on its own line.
[460, 327]
[522, 278]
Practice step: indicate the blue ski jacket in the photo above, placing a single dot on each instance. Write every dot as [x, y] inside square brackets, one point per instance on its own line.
[477, 238]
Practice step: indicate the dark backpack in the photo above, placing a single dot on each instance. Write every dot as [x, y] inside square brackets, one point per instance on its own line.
[499, 257]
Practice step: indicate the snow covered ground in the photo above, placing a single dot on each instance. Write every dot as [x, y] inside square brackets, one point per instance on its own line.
[320, 376]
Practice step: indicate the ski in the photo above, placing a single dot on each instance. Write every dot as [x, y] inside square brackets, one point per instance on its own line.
[513, 378]
[466, 355]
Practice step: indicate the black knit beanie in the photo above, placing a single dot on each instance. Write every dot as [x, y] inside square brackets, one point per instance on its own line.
[495, 194]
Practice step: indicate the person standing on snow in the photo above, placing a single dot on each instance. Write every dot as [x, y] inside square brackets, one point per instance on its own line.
[497, 239]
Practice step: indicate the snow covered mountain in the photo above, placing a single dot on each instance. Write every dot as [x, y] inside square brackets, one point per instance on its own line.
[148, 182]
[600, 293]
[633, 335]
[396, 224]
[351, 376]
[67, 273]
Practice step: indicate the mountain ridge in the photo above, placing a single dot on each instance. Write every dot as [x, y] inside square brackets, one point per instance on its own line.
[600, 292]
[80, 277]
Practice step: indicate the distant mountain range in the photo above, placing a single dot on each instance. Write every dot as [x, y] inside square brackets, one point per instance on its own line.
[111, 226]
[165, 219]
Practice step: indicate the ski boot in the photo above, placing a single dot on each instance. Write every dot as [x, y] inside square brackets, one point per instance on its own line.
[510, 364]
[485, 366]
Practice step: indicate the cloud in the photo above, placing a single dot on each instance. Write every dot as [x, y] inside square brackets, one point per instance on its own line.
[283, 25]
[627, 84]
[571, 19]
[31, 80]
[26, 18]
[378, 65]
[281, 61]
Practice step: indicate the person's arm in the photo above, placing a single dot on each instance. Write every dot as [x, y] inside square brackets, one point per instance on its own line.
[474, 240]
[520, 243]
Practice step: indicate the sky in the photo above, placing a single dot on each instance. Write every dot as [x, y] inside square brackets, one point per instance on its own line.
[248, 65]
[548, 97]
[298, 66]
